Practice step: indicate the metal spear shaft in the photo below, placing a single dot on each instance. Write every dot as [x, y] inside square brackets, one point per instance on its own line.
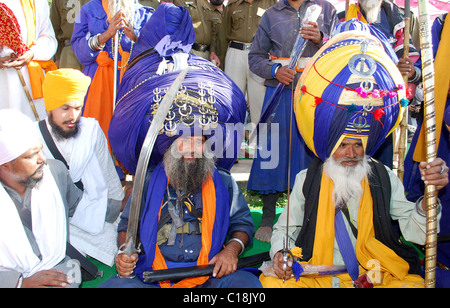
[430, 141]
[116, 63]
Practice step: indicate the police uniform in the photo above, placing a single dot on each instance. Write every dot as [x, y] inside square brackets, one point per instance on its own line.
[200, 11]
[62, 15]
[242, 18]
[219, 41]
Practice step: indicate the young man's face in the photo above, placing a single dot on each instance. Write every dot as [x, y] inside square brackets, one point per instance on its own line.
[64, 120]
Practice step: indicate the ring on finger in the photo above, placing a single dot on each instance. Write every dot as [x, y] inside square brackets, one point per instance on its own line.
[442, 169]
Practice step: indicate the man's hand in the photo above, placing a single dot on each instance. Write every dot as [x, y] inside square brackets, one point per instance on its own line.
[434, 173]
[125, 264]
[226, 260]
[46, 279]
[285, 75]
[214, 58]
[117, 22]
[278, 266]
[18, 62]
[311, 32]
[406, 67]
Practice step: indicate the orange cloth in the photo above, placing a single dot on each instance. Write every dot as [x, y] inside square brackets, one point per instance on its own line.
[35, 67]
[99, 100]
[209, 214]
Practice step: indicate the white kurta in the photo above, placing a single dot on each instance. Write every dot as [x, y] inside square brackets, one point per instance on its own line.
[12, 94]
[90, 161]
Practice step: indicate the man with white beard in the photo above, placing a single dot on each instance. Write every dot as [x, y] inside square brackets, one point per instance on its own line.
[342, 206]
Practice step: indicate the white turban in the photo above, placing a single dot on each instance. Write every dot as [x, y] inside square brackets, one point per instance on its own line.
[17, 134]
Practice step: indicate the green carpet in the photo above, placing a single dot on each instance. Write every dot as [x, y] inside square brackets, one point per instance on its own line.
[255, 248]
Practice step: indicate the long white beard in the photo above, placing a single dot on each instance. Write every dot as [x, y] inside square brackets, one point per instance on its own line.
[347, 180]
[371, 8]
[127, 6]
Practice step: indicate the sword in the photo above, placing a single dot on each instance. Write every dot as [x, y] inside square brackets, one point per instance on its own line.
[429, 121]
[201, 270]
[144, 158]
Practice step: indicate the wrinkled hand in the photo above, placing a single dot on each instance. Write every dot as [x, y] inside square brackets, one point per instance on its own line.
[125, 264]
[406, 67]
[46, 279]
[225, 261]
[431, 173]
[285, 75]
[117, 22]
[18, 62]
[311, 32]
[278, 266]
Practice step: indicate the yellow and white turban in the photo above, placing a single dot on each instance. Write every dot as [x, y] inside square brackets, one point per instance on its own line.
[350, 89]
[63, 86]
[17, 134]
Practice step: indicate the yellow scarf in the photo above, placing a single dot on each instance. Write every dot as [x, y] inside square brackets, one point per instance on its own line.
[35, 67]
[441, 83]
[369, 251]
[355, 12]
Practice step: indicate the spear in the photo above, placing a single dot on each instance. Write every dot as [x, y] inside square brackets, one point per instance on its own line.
[430, 141]
[116, 56]
[404, 122]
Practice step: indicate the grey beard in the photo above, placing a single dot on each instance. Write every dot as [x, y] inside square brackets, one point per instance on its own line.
[187, 176]
[371, 9]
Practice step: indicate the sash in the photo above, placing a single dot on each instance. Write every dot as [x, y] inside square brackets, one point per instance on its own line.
[99, 100]
[215, 221]
[35, 67]
[442, 79]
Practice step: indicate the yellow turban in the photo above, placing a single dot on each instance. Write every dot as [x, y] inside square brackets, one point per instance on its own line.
[64, 85]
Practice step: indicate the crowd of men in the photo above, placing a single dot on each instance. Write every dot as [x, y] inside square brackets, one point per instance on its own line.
[82, 84]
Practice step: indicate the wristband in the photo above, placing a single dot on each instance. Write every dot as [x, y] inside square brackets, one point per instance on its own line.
[240, 242]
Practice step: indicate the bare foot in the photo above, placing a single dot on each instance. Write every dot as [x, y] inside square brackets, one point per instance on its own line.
[264, 234]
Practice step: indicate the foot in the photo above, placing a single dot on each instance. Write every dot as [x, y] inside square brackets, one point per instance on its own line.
[264, 234]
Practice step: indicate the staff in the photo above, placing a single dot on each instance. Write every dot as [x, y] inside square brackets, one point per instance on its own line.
[116, 56]
[430, 141]
[404, 123]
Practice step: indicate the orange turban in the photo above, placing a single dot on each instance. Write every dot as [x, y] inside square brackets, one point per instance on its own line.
[64, 85]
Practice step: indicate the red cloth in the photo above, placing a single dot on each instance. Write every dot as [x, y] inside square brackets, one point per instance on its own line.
[10, 34]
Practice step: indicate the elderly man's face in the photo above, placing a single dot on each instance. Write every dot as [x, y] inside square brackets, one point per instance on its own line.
[190, 147]
[64, 120]
[27, 169]
[349, 153]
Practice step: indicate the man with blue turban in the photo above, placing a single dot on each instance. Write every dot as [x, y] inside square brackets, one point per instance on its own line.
[191, 205]
[349, 98]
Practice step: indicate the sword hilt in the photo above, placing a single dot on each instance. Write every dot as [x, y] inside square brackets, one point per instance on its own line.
[286, 253]
[128, 248]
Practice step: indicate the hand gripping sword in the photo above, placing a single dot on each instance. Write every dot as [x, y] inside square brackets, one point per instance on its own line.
[131, 245]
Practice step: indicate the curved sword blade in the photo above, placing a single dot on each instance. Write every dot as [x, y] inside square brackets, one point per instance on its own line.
[144, 158]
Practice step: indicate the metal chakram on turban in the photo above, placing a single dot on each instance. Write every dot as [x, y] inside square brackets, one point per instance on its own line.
[350, 89]
[208, 102]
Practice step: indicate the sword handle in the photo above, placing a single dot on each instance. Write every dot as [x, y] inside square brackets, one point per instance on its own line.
[129, 249]
[286, 253]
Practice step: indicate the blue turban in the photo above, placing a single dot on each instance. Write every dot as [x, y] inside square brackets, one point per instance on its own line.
[141, 88]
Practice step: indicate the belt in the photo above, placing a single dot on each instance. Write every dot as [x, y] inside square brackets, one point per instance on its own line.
[299, 67]
[67, 43]
[239, 45]
[200, 47]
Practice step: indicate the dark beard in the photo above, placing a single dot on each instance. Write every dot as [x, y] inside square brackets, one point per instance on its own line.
[32, 180]
[187, 176]
[60, 134]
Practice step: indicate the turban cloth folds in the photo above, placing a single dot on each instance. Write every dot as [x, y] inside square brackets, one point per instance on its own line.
[331, 94]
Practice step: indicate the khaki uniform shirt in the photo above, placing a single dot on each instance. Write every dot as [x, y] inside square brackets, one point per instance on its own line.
[219, 42]
[150, 3]
[242, 18]
[200, 11]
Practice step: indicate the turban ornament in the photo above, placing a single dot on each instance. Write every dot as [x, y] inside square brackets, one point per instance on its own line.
[350, 89]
